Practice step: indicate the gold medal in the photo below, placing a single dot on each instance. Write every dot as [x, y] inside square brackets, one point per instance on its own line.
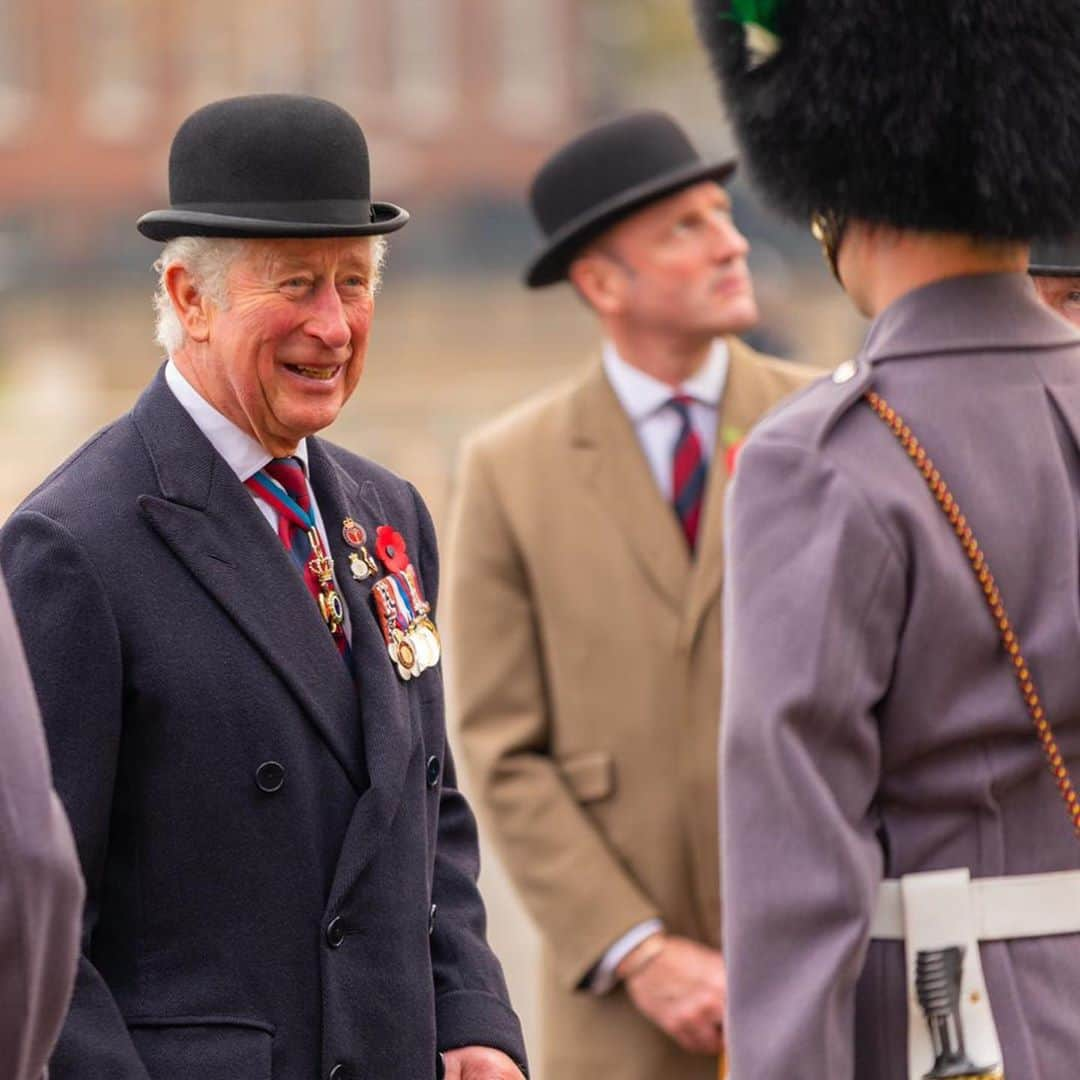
[359, 569]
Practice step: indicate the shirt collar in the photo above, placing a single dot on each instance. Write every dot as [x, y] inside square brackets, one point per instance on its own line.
[641, 395]
[242, 453]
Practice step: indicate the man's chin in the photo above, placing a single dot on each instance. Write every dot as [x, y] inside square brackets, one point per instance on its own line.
[737, 319]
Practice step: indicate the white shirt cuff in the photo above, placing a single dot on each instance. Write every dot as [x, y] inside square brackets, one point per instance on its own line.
[603, 978]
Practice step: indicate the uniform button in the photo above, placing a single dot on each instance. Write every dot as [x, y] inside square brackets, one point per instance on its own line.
[270, 776]
[431, 919]
[339, 1072]
[335, 933]
[845, 372]
[433, 770]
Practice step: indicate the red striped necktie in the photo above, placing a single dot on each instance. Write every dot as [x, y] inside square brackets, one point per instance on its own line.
[282, 484]
[688, 472]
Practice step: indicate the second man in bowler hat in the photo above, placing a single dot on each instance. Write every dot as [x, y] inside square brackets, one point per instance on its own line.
[585, 582]
[231, 624]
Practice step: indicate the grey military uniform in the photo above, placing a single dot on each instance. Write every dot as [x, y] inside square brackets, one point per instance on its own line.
[872, 725]
[41, 890]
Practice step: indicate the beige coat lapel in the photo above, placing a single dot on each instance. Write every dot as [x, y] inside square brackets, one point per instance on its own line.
[615, 468]
[747, 397]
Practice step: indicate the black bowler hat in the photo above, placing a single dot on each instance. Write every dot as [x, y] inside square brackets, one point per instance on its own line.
[270, 165]
[1055, 258]
[605, 174]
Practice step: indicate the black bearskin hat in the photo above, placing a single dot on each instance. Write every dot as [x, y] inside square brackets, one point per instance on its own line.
[935, 115]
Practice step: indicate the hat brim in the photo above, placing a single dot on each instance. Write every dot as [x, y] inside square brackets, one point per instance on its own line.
[169, 224]
[551, 264]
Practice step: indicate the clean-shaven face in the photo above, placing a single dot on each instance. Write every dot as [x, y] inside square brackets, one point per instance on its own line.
[1062, 294]
[686, 263]
[287, 352]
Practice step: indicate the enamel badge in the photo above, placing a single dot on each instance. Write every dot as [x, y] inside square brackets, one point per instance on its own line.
[361, 564]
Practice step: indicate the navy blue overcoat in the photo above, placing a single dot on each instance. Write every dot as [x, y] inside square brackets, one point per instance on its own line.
[281, 871]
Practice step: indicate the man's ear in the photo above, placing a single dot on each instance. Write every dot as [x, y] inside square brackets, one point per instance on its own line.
[599, 280]
[191, 305]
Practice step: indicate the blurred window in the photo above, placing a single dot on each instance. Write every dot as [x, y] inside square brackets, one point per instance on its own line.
[15, 61]
[117, 54]
[341, 41]
[424, 55]
[271, 41]
[209, 62]
[532, 64]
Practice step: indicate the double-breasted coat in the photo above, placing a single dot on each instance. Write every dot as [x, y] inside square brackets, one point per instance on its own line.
[582, 652]
[41, 890]
[280, 868]
[872, 723]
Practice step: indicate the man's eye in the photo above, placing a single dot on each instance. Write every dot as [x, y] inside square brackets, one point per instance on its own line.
[353, 281]
[297, 283]
[1073, 297]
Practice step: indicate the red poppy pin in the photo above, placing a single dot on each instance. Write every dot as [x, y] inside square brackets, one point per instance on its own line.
[390, 547]
[733, 444]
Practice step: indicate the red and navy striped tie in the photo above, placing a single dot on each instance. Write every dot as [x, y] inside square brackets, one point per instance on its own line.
[282, 484]
[688, 471]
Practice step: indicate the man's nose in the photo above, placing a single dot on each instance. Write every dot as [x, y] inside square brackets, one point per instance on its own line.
[327, 320]
[727, 242]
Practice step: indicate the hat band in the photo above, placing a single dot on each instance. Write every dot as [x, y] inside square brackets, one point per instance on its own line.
[308, 211]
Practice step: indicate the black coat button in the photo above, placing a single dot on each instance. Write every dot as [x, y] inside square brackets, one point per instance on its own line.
[270, 776]
[431, 919]
[433, 770]
[335, 932]
[339, 1072]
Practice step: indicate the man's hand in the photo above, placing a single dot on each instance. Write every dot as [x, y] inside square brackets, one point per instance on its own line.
[682, 988]
[479, 1063]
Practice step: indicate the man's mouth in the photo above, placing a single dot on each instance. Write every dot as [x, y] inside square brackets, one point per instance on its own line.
[322, 374]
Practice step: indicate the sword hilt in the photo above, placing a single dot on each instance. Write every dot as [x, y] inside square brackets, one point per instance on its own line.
[938, 976]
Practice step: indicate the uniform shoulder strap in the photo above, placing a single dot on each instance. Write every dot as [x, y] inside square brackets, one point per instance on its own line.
[1024, 678]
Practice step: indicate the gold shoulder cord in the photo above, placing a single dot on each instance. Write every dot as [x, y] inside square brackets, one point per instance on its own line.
[939, 489]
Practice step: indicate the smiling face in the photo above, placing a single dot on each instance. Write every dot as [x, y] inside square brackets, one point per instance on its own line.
[1061, 294]
[285, 354]
[679, 266]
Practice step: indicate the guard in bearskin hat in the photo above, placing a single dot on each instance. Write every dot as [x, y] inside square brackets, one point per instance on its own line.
[901, 859]
[1055, 267]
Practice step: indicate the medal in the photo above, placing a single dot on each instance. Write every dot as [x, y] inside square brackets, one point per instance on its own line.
[358, 568]
[322, 567]
[412, 641]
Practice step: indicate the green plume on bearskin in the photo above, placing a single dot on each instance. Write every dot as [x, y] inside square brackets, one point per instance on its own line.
[758, 19]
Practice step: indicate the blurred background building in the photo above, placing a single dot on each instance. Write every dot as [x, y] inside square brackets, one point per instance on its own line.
[460, 99]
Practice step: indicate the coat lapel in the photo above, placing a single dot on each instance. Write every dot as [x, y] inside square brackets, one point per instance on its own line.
[211, 524]
[746, 399]
[390, 731]
[615, 469]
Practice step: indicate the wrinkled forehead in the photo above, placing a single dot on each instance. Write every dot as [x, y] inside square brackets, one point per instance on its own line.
[265, 256]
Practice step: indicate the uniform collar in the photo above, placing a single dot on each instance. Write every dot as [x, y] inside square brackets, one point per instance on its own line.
[242, 453]
[975, 313]
[641, 395]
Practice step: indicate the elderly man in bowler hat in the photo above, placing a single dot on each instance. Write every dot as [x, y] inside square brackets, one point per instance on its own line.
[1055, 267]
[901, 722]
[231, 624]
[584, 582]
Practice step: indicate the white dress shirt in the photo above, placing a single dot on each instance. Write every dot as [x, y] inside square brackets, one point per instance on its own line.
[243, 454]
[644, 399]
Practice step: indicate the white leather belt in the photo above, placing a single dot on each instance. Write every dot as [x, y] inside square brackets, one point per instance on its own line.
[1002, 908]
[945, 908]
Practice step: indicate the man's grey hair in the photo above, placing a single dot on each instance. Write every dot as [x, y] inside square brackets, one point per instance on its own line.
[209, 259]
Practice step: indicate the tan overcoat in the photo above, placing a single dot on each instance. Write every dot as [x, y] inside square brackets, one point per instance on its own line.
[583, 646]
